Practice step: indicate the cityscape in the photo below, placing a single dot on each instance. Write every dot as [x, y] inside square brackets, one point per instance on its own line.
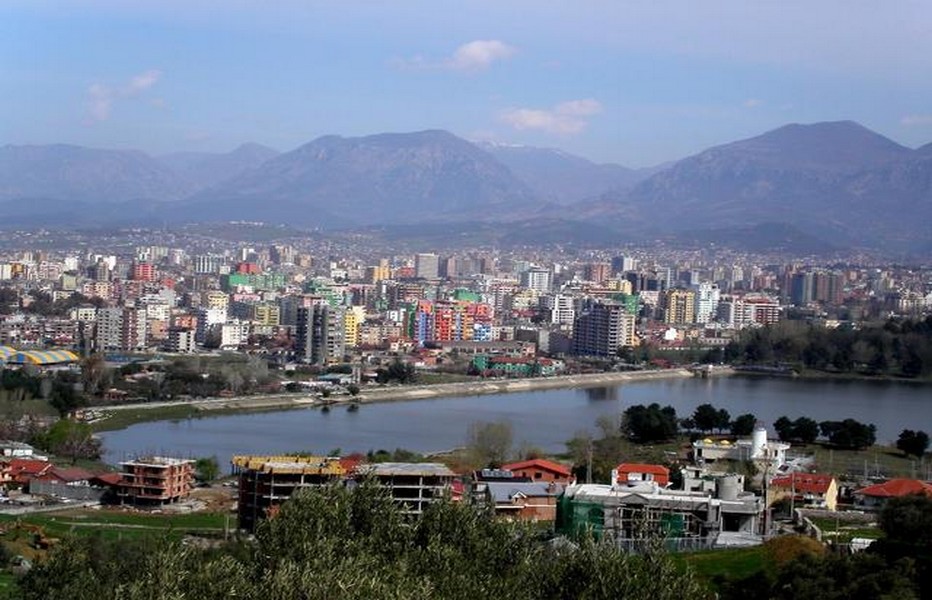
[566, 301]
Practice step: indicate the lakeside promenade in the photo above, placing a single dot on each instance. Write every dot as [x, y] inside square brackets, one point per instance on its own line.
[397, 393]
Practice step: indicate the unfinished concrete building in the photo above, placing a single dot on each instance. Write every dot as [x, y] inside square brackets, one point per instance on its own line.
[631, 515]
[154, 480]
[267, 481]
[412, 485]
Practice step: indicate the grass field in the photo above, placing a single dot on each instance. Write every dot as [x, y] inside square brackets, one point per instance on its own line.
[733, 563]
[840, 531]
[111, 523]
[876, 461]
[120, 419]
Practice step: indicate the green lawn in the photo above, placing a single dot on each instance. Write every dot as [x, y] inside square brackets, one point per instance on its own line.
[113, 523]
[881, 461]
[839, 530]
[733, 563]
[121, 419]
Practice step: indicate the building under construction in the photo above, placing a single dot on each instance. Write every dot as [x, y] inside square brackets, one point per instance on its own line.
[631, 515]
[154, 480]
[267, 481]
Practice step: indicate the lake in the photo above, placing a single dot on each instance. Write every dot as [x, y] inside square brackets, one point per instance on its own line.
[544, 419]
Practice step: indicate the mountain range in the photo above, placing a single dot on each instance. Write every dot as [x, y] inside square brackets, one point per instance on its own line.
[821, 185]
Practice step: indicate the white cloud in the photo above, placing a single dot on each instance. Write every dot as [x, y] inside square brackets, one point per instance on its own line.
[101, 98]
[566, 118]
[753, 102]
[916, 120]
[477, 55]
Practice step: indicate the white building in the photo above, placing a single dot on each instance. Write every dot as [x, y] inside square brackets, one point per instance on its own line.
[707, 297]
[537, 279]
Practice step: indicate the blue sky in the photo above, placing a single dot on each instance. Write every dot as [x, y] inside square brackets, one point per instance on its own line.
[630, 82]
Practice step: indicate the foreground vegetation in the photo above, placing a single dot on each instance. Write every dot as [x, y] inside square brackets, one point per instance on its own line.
[336, 543]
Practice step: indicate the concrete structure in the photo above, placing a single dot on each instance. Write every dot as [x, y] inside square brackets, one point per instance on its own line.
[267, 481]
[426, 266]
[539, 280]
[154, 480]
[630, 515]
[320, 335]
[601, 328]
[412, 485]
[758, 448]
[707, 298]
[679, 307]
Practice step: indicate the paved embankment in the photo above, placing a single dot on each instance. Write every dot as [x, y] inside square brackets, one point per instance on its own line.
[396, 393]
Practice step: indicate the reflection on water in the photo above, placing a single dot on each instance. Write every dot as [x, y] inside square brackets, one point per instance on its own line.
[602, 393]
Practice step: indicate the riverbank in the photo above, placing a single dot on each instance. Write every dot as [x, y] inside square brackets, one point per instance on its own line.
[119, 417]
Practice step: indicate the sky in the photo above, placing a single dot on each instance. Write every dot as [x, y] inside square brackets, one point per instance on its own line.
[635, 83]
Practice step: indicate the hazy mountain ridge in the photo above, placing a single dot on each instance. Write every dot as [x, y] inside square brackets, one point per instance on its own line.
[563, 178]
[70, 173]
[838, 181]
[205, 169]
[384, 178]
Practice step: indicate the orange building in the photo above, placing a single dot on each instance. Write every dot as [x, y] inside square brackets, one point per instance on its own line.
[637, 472]
[155, 480]
[539, 469]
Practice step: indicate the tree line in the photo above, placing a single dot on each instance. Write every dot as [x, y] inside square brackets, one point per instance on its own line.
[338, 543]
[897, 347]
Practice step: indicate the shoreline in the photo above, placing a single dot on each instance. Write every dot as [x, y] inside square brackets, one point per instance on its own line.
[399, 393]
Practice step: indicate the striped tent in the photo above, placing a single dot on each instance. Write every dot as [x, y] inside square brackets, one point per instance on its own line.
[13, 356]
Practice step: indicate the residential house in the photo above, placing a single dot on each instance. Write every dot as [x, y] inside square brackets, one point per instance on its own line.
[874, 496]
[539, 469]
[638, 472]
[810, 490]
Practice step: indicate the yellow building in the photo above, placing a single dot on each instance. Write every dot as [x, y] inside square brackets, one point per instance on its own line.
[679, 306]
[217, 300]
[352, 321]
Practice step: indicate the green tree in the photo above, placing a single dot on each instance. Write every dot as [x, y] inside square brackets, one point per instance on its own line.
[743, 425]
[705, 417]
[207, 468]
[490, 444]
[849, 433]
[650, 423]
[914, 443]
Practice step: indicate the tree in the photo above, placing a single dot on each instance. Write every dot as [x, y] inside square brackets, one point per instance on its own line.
[650, 423]
[849, 433]
[805, 430]
[722, 419]
[490, 444]
[353, 390]
[70, 438]
[206, 469]
[784, 428]
[341, 543]
[705, 417]
[913, 443]
[743, 425]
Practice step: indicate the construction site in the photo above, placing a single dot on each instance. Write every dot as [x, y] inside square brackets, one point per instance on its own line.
[265, 482]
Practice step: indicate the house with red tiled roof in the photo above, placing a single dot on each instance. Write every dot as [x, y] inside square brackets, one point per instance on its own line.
[876, 495]
[539, 469]
[810, 490]
[20, 470]
[626, 473]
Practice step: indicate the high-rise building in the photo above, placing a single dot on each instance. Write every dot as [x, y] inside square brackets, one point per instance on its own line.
[601, 328]
[426, 266]
[320, 335]
[536, 279]
[679, 306]
[707, 296]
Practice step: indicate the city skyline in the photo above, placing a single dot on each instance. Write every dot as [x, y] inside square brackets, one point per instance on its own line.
[613, 82]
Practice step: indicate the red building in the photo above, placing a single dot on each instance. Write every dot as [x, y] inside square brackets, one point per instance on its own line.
[638, 472]
[538, 469]
[143, 271]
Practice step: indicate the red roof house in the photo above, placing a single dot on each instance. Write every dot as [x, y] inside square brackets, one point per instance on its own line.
[21, 470]
[539, 469]
[637, 472]
[809, 489]
[875, 495]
